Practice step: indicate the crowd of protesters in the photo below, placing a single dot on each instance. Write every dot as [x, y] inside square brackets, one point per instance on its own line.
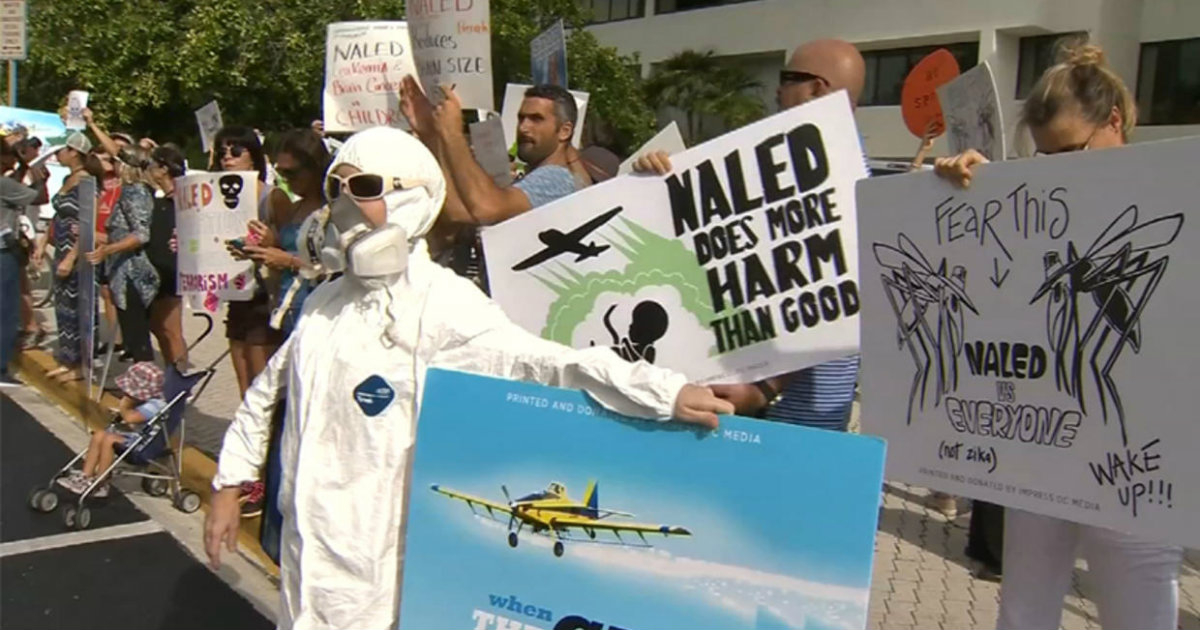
[134, 260]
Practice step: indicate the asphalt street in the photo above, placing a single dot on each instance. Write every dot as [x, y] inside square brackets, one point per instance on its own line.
[125, 570]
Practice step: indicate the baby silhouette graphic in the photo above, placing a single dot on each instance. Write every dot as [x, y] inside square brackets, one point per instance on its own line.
[648, 325]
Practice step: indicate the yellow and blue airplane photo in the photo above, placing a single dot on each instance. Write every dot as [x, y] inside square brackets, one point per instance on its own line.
[554, 514]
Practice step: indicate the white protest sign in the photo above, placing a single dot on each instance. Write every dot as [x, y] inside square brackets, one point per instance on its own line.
[77, 101]
[514, 95]
[1025, 341]
[208, 119]
[971, 109]
[452, 45]
[740, 264]
[548, 56]
[86, 302]
[364, 64]
[210, 209]
[668, 140]
[487, 143]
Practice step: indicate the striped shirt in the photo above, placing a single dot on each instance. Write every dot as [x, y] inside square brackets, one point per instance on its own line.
[820, 396]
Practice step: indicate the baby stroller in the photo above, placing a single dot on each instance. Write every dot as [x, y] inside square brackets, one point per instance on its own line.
[150, 455]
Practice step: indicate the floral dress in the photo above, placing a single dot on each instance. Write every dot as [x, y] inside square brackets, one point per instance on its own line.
[132, 215]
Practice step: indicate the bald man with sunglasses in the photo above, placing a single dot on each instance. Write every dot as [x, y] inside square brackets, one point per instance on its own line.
[820, 396]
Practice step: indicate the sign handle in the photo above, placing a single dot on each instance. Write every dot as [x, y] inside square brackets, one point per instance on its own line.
[12, 83]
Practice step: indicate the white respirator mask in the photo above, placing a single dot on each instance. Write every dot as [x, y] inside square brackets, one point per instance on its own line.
[373, 256]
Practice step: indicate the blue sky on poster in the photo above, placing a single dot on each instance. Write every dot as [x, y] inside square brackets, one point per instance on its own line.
[759, 536]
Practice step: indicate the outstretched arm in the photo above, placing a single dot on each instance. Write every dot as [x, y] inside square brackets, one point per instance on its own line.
[481, 339]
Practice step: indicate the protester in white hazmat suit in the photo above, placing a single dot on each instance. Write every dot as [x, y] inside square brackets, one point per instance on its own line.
[354, 370]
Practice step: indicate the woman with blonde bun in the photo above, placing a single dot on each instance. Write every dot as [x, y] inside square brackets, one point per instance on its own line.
[1077, 105]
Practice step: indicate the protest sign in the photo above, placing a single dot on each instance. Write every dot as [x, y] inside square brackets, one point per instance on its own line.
[452, 45]
[364, 64]
[77, 101]
[918, 96]
[86, 300]
[668, 140]
[1024, 341]
[208, 118]
[487, 143]
[971, 108]
[548, 56]
[514, 94]
[211, 209]
[740, 264]
[711, 545]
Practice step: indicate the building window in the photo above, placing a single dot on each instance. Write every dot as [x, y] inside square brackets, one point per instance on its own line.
[1168, 90]
[613, 10]
[887, 69]
[1039, 53]
[672, 6]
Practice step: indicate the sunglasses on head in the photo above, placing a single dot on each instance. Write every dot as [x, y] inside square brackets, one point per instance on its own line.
[799, 76]
[361, 186]
[233, 150]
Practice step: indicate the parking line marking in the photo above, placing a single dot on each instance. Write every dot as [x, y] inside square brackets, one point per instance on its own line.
[79, 538]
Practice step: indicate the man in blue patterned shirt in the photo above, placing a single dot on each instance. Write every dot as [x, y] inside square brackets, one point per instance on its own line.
[822, 395]
[546, 123]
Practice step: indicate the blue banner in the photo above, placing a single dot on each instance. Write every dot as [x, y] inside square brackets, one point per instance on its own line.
[534, 507]
[45, 125]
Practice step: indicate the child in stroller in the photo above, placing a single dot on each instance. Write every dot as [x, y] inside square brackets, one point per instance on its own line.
[145, 449]
[142, 389]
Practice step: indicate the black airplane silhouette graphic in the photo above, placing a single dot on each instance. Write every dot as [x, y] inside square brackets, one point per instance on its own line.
[558, 243]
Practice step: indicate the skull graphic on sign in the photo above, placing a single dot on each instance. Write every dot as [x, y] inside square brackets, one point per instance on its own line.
[231, 188]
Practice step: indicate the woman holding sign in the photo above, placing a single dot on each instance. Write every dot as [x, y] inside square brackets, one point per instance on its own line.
[301, 162]
[1077, 105]
[252, 341]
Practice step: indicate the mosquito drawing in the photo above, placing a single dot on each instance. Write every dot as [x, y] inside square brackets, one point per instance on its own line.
[918, 293]
[1120, 275]
[985, 116]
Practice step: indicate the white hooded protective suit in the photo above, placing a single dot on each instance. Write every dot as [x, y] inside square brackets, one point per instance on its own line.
[354, 371]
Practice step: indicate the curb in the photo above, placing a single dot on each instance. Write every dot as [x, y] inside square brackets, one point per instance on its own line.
[198, 468]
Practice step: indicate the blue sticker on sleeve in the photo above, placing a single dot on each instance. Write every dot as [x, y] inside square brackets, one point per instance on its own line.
[374, 395]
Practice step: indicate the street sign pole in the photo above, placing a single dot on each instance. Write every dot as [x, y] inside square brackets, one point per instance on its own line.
[13, 40]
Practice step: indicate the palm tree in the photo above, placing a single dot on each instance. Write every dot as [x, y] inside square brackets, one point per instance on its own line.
[699, 84]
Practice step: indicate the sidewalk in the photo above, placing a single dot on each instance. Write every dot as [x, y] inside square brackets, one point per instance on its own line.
[922, 578]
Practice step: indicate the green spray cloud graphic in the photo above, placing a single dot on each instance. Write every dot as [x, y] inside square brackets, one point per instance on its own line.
[653, 261]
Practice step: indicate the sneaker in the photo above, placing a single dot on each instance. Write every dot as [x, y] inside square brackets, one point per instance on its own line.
[100, 492]
[253, 494]
[7, 381]
[945, 503]
[76, 482]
